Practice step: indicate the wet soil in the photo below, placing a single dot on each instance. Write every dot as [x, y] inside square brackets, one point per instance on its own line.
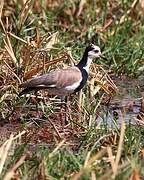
[129, 101]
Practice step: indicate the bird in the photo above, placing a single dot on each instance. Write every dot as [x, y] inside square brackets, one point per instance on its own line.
[63, 82]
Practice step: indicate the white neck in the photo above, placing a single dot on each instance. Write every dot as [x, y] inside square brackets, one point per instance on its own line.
[89, 61]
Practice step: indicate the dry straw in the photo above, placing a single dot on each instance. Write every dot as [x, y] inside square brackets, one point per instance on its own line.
[4, 152]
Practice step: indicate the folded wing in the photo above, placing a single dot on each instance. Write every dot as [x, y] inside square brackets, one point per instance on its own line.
[58, 79]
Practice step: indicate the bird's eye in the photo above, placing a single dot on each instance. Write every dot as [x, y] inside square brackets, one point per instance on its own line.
[96, 51]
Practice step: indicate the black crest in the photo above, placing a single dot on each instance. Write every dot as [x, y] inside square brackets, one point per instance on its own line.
[83, 61]
[89, 48]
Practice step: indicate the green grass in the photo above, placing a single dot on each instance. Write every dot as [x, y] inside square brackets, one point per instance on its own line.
[122, 43]
[66, 161]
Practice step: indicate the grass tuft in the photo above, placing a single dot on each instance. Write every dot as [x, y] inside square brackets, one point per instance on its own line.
[99, 142]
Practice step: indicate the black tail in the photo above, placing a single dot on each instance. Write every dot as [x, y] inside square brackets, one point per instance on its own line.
[26, 90]
[29, 89]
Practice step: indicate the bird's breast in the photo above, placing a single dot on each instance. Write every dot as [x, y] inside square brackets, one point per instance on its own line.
[83, 80]
[73, 86]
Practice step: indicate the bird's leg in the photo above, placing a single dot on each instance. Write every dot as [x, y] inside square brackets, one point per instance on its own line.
[61, 112]
[37, 110]
[66, 110]
[68, 118]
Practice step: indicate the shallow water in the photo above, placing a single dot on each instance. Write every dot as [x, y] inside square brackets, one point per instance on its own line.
[126, 103]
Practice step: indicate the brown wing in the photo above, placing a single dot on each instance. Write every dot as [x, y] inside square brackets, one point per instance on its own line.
[68, 77]
[59, 78]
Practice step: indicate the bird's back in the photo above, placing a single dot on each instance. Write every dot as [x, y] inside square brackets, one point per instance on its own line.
[56, 82]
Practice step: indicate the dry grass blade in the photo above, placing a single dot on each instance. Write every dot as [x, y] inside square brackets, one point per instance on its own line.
[57, 148]
[142, 6]
[100, 77]
[4, 149]
[1, 8]
[135, 175]
[134, 4]
[101, 85]
[11, 172]
[111, 158]
[9, 49]
[93, 175]
[88, 165]
[38, 39]
[14, 138]
[41, 171]
[4, 152]
[87, 158]
[34, 71]
[49, 41]
[120, 145]
[24, 12]
[38, 62]
[16, 37]
[57, 132]
[80, 104]
[109, 172]
[80, 101]
[141, 119]
[81, 5]
[70, 57]
[94, 89]
[12, 72]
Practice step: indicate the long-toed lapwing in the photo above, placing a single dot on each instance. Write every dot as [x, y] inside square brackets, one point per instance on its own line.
[64, 82]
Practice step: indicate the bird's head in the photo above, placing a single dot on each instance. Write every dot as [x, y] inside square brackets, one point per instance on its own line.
[93, 51]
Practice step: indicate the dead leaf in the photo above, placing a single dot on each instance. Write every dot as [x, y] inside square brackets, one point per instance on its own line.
[142, 6]
[24, 12]
[135, 175]
[81, 6]
[49, 40]
[36, 70]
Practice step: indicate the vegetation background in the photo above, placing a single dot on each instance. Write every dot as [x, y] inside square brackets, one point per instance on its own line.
[39, 35]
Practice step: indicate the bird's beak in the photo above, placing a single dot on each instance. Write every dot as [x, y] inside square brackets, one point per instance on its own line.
[103, 57]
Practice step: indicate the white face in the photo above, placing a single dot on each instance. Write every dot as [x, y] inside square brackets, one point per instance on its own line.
[95, 53]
